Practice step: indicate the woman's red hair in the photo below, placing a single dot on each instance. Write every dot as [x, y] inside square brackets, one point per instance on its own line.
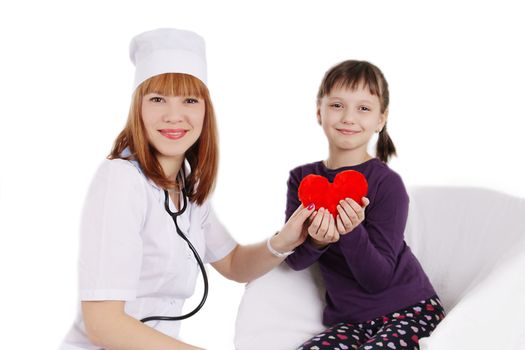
[203, 156]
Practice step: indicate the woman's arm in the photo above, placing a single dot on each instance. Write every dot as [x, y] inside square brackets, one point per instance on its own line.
[109, 327]
[246, 263]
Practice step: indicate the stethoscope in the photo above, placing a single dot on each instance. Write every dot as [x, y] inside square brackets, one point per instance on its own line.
[174, 216]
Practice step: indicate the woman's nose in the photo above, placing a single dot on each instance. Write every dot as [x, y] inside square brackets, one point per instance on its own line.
[173, 113]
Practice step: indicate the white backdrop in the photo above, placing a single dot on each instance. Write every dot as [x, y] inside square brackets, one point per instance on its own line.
[456, 76]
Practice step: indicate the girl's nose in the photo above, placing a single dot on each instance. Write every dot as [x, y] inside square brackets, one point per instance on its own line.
[348, 118]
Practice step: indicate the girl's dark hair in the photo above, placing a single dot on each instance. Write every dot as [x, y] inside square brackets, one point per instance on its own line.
[350, 74]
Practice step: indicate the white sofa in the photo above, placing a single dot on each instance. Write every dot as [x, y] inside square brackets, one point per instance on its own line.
[471, 243]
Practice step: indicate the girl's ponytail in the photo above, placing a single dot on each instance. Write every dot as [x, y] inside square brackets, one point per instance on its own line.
[385, 146]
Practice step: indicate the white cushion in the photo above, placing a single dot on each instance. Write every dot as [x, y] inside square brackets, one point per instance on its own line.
[471, 243]
[280, 310]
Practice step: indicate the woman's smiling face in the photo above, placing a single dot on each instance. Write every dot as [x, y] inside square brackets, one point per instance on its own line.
[173, 123]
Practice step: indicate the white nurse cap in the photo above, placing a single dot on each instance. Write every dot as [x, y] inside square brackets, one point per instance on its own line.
[167, 50]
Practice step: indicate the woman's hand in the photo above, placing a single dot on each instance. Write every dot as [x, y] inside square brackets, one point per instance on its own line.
[350, 215]
[246, 263]
[322, 228]
[293, 233]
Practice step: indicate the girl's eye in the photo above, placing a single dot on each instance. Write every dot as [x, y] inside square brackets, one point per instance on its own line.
[156, 99]
[336, 105]
[364, 108]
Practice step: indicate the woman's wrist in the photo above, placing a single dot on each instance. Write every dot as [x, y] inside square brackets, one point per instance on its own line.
[278, 247]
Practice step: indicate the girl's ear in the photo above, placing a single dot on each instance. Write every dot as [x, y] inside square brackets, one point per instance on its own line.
[319, 116]
[382, 120]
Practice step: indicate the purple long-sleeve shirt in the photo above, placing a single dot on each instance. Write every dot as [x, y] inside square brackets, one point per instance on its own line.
[370, 271]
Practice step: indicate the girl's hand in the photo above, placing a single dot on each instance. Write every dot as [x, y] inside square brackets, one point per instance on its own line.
[322, 229]
[350, 215]
[293, 233]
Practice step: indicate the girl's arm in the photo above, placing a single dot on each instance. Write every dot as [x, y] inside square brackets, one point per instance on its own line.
[246, 263]
[109, 327]
[372, 248]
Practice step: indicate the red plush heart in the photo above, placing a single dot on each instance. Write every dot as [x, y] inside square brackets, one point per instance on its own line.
[318, 190]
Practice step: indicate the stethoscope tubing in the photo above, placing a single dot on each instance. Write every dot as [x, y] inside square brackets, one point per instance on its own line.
[174, 216]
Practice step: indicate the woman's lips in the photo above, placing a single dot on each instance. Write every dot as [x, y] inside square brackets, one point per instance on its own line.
[173, 134]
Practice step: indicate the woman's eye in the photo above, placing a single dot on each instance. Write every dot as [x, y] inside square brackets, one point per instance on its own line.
[191, 100]
[156, 99]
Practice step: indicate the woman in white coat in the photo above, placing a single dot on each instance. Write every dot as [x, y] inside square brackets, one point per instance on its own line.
[134, 264]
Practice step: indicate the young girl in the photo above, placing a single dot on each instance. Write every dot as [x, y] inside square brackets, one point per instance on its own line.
[377, 295]
[133, 263]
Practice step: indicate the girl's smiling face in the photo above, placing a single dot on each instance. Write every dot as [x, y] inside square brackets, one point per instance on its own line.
[350, 117]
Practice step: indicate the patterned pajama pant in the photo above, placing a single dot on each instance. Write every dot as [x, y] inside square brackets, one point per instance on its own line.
[398, 330]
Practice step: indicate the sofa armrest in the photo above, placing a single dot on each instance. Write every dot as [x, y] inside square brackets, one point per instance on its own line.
[489, 316]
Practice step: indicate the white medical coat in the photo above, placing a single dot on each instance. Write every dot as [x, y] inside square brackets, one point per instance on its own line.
[130, 249]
